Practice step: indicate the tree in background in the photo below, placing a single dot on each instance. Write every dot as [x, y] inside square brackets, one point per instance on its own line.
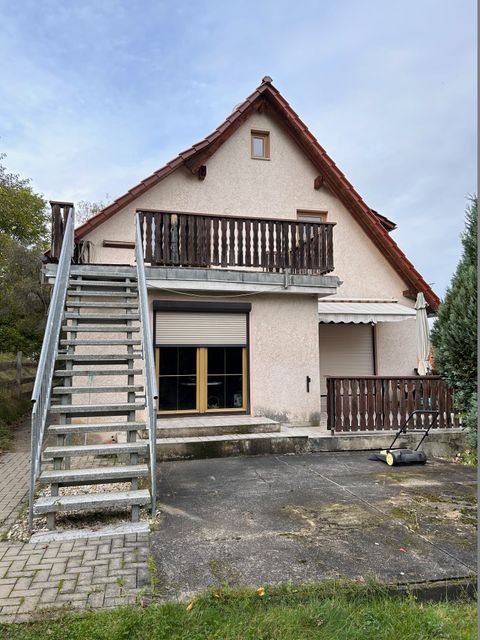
[23, 239]
[23, 216]
[454, 336]
[84, 209]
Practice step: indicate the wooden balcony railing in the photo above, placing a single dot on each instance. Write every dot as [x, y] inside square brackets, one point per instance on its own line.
[197, 240]
[384, 403]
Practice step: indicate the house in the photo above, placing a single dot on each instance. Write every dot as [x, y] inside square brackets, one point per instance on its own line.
[251, 340]
[245, 277]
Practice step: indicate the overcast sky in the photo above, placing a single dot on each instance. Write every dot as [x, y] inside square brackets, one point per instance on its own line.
[97, 94]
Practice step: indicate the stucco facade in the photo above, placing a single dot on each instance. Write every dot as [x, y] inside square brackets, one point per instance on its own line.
[238, 185]
[284, 345]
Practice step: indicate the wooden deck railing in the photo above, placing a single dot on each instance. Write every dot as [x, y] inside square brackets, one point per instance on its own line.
[383, 403]
[197, 240]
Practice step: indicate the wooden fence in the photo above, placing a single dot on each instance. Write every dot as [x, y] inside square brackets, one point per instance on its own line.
[376, 403]
[21, 374]
[198, 240]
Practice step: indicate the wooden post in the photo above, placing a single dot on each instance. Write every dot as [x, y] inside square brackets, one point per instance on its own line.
[18, 373]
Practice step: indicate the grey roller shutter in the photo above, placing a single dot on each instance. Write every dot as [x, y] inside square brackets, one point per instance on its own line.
[179, 328]
[345, 350]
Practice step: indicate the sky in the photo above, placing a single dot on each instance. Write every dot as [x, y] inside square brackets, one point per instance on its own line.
[97, 94]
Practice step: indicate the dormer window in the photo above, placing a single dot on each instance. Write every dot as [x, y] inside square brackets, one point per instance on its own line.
[261, 145]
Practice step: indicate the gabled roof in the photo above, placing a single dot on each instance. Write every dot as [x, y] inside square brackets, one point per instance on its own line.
[267, 98]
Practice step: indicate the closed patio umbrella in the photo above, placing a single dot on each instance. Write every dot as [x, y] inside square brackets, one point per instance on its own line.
[423, 336]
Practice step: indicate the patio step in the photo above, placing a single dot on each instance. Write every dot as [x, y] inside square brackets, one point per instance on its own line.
[220, 446]
[61, 429]
[55, 504]
[93, 475]
[95, 449]
[175, 429]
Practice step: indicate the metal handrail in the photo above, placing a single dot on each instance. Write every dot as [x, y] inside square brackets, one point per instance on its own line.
[151, 393]
[43, 380]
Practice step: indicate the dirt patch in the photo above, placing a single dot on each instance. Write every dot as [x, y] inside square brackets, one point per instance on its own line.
[329, 518]
[435, 515]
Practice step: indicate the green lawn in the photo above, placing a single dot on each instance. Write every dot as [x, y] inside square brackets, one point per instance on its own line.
[329, 612]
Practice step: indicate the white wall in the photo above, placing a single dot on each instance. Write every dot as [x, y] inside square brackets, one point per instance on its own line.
[396, 348]
[283, 350]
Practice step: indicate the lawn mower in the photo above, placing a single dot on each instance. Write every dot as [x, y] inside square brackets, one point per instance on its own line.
[408, 456]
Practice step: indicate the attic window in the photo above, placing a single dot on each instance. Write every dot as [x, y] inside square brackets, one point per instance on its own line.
[261, 145]
[307, 215]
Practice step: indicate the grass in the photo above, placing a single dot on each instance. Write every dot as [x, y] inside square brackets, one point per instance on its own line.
[330, 611]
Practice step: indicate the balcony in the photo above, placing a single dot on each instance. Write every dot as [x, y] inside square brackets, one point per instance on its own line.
[225, 242]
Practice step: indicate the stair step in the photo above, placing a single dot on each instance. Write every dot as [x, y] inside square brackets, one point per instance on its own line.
[102, 283]
[96, 427]
[67, 373]
[93, 475]
[93, 343]
[127, 388]
[92, 317]
[100, 358]
[95, 273]
[96, 409]
[91, 501]
[99, 328]
[95, 449]
[166, 430]
[101, 305]
[101, 294]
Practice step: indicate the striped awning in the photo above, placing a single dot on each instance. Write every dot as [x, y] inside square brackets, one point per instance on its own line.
[363, 312]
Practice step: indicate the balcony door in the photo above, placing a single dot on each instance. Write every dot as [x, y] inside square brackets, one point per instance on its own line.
[202, 379]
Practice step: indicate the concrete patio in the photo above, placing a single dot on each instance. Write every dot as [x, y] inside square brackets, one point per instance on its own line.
[305, 518]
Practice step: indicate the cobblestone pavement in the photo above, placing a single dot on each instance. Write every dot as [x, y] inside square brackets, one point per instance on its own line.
[14, 470]
[79, 574]
[76, 574]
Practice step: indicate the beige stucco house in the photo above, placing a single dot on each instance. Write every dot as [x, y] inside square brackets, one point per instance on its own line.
[266, 270]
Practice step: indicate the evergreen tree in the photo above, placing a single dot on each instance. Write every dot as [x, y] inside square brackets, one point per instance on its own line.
[454, 336]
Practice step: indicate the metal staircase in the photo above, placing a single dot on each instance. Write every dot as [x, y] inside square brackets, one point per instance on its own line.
[95, 392]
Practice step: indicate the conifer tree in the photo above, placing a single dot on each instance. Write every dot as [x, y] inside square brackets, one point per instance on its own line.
[454, 336]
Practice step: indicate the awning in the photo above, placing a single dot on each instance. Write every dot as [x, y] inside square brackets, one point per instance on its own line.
[363, 312]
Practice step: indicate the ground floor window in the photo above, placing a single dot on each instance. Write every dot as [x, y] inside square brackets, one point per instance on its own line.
[201, 379]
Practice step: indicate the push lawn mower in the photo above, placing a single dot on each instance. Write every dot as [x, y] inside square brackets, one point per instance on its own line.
[408, 456]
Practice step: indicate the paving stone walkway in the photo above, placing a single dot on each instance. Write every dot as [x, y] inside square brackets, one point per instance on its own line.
[14, 470]
[75, 574]
[79, 574]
